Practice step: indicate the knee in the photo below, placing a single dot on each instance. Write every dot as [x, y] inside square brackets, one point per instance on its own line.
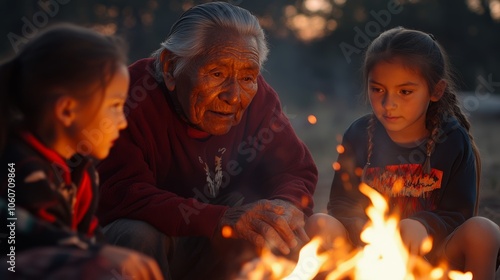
[325, 226]
[317, 223]
[481, 230]
[133, 233]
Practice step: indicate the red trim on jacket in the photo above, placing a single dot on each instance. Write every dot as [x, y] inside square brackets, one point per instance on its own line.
[49, 154]
[84, 194]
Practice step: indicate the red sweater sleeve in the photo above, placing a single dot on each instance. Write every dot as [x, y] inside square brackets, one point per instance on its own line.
[129, 185]
[287, 163]
[129, 190]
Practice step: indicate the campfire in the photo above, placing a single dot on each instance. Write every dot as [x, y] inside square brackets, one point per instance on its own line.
[383, 257]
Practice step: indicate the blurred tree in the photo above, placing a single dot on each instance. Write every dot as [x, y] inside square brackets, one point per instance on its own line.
[305, 36]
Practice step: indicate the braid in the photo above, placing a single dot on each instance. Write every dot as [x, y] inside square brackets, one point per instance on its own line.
[371, 132]
[457, 112]
[433, 123]
[449, 105]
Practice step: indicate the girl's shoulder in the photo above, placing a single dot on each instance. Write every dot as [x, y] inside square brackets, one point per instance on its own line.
[360, 123]
[23, 156]
[358, 128]
[451, 129]
[32, 173]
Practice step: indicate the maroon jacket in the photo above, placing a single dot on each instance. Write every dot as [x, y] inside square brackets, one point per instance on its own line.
[166, 173]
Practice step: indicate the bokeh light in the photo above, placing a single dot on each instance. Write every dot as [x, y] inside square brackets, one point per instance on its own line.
[340, 149]
[312, 119]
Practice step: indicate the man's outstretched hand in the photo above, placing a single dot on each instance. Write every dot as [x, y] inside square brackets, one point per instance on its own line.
[277, 223]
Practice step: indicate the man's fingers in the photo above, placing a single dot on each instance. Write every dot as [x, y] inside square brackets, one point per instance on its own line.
[290, 225]
[301, 234]
[275, 222]
[273, 206]
[284, 230]
[271, 236]
[255, 238]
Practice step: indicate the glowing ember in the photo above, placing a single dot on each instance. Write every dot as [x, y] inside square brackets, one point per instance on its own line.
[336, 166]
[312, 119]
[227, 231]
[383, 257]
[340, 149]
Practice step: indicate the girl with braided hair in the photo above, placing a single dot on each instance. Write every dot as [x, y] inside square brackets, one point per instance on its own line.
[416, 149]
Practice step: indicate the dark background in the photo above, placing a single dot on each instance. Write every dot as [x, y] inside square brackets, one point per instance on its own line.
[305, 35]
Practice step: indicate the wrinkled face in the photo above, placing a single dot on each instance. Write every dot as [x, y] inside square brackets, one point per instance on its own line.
[399, 98]
[97, 136]
[215, 88]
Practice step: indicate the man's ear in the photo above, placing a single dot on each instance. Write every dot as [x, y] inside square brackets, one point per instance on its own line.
[65, 110]
[166, 59]
[438, 91]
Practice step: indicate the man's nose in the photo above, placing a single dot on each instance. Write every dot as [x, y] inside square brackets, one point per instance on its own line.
[232, 92]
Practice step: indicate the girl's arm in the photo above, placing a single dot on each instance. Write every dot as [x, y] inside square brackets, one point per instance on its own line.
[457, 198]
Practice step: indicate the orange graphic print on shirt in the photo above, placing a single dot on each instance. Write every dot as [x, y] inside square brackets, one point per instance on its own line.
[406, 186]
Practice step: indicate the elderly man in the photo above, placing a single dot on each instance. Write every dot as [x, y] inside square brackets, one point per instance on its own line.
[208, 151]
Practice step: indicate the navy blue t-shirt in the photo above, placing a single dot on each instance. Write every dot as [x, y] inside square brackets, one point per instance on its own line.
[441, 200]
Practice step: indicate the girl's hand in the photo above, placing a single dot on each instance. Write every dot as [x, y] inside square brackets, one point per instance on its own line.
[413, 234]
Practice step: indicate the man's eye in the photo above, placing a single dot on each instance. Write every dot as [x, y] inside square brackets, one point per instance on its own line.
[217, 74]
[406, 92]
[376, 89]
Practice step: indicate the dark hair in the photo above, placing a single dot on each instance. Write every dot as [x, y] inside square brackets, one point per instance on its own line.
[420, 51]
[64, 56]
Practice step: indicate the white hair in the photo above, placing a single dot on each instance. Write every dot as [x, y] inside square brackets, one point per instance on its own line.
[188, 35]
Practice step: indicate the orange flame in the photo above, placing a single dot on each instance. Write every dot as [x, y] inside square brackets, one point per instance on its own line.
[383, 257]
[309, 262]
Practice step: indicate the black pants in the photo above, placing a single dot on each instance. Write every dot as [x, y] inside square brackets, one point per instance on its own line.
[184, 258]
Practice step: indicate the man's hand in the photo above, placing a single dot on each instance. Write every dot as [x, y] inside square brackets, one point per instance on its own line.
[413, 234]
[274, 222]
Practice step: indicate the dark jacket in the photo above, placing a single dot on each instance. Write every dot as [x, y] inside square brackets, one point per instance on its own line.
[51, 201]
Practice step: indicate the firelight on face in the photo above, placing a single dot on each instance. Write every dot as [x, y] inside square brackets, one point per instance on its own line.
[215, 88]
